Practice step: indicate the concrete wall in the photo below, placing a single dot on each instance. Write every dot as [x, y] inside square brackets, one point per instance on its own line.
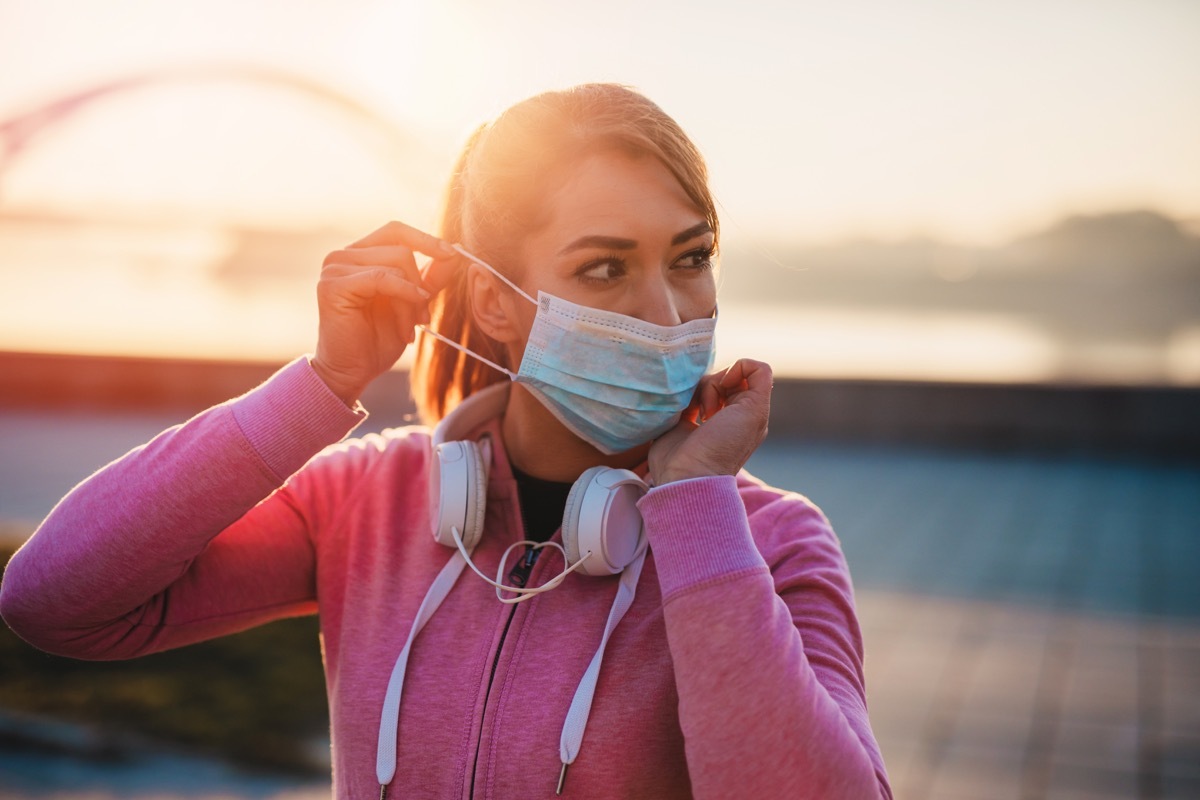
[1161, 421]
[1146, 419]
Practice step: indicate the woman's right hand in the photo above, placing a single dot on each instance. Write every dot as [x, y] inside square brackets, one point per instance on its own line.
[370, 298]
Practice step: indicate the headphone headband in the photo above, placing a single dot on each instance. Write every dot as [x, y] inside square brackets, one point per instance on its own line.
[483, 406]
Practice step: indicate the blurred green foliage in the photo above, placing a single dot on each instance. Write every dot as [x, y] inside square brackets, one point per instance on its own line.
[256, 698]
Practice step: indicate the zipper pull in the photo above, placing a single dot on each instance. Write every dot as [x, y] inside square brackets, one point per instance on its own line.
[519, 575]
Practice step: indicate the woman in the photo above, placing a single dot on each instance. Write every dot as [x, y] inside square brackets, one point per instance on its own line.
[709, 647]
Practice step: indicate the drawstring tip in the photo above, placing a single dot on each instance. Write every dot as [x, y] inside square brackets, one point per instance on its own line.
[562, 778]
[383, 791]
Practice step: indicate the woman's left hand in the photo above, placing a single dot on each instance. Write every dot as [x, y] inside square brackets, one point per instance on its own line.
[720, 430]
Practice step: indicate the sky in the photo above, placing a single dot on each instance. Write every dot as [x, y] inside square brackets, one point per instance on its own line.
[883, 118]
[971, 122]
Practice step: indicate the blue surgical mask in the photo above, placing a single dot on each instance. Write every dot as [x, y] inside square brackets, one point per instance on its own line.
[613, 380]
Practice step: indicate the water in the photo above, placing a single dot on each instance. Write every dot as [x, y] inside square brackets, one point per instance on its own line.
[187, 289]
[1104, 535]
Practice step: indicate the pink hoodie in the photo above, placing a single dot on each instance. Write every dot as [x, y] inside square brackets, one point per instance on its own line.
[736, 673]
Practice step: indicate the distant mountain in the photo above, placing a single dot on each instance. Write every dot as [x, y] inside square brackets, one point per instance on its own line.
[1130, 245]
[1117, 275]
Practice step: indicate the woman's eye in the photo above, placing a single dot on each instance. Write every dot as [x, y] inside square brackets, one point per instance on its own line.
[602, 271]
[697, 259]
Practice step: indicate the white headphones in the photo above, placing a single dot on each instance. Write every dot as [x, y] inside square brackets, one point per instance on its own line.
[602, 535]
[601, 517]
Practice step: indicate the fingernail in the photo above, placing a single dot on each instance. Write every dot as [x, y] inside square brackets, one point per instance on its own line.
[448, 248]
[423, 293]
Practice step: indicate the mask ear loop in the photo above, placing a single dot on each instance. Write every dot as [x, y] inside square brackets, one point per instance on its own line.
[471, 353]
[457, 345]
[522, 593]
[494, 271]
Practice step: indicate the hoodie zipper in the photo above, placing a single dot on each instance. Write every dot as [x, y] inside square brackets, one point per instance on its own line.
[517, 576]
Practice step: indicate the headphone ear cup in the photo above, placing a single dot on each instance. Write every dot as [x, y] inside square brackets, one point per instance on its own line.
[457, 492]
[477, 503]
[601, 517]
[570, 525]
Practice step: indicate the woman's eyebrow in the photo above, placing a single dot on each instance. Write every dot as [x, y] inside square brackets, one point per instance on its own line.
[619, 243]
[691, 233]
[608, 242]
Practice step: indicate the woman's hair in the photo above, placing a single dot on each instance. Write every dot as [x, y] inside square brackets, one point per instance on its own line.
[496, 196]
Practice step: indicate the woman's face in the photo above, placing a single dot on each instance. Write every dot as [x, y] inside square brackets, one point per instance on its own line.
[621, 234]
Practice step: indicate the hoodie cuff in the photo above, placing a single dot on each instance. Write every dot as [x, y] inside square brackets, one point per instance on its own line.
[292, 416]
[699, 532]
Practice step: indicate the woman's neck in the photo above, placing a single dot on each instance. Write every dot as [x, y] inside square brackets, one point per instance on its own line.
[541, 446]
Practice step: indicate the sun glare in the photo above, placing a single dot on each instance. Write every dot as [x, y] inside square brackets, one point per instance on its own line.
[218, 149]
[298, 125]
[188, 216]
[420, 62]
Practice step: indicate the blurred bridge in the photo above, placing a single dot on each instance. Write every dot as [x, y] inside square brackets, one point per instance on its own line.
[20, 131]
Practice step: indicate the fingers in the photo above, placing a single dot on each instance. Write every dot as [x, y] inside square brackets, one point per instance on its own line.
[745, 377]
[747, 374]
[386, 257]
[348, 285]
[370, 297]
[435, 276]
[397, 233]
[439, 272]
[719, 432]
[708, 396]
[356, 276]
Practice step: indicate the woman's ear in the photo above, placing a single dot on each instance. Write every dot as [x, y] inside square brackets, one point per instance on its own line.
[492, 305]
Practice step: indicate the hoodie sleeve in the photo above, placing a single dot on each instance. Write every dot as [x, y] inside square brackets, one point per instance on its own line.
[185, 537]
[767, 656]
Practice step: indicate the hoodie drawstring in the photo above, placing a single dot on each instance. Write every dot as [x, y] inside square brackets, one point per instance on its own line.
[581, 705]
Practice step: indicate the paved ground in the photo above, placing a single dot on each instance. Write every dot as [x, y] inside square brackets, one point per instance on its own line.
[1032, 623]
